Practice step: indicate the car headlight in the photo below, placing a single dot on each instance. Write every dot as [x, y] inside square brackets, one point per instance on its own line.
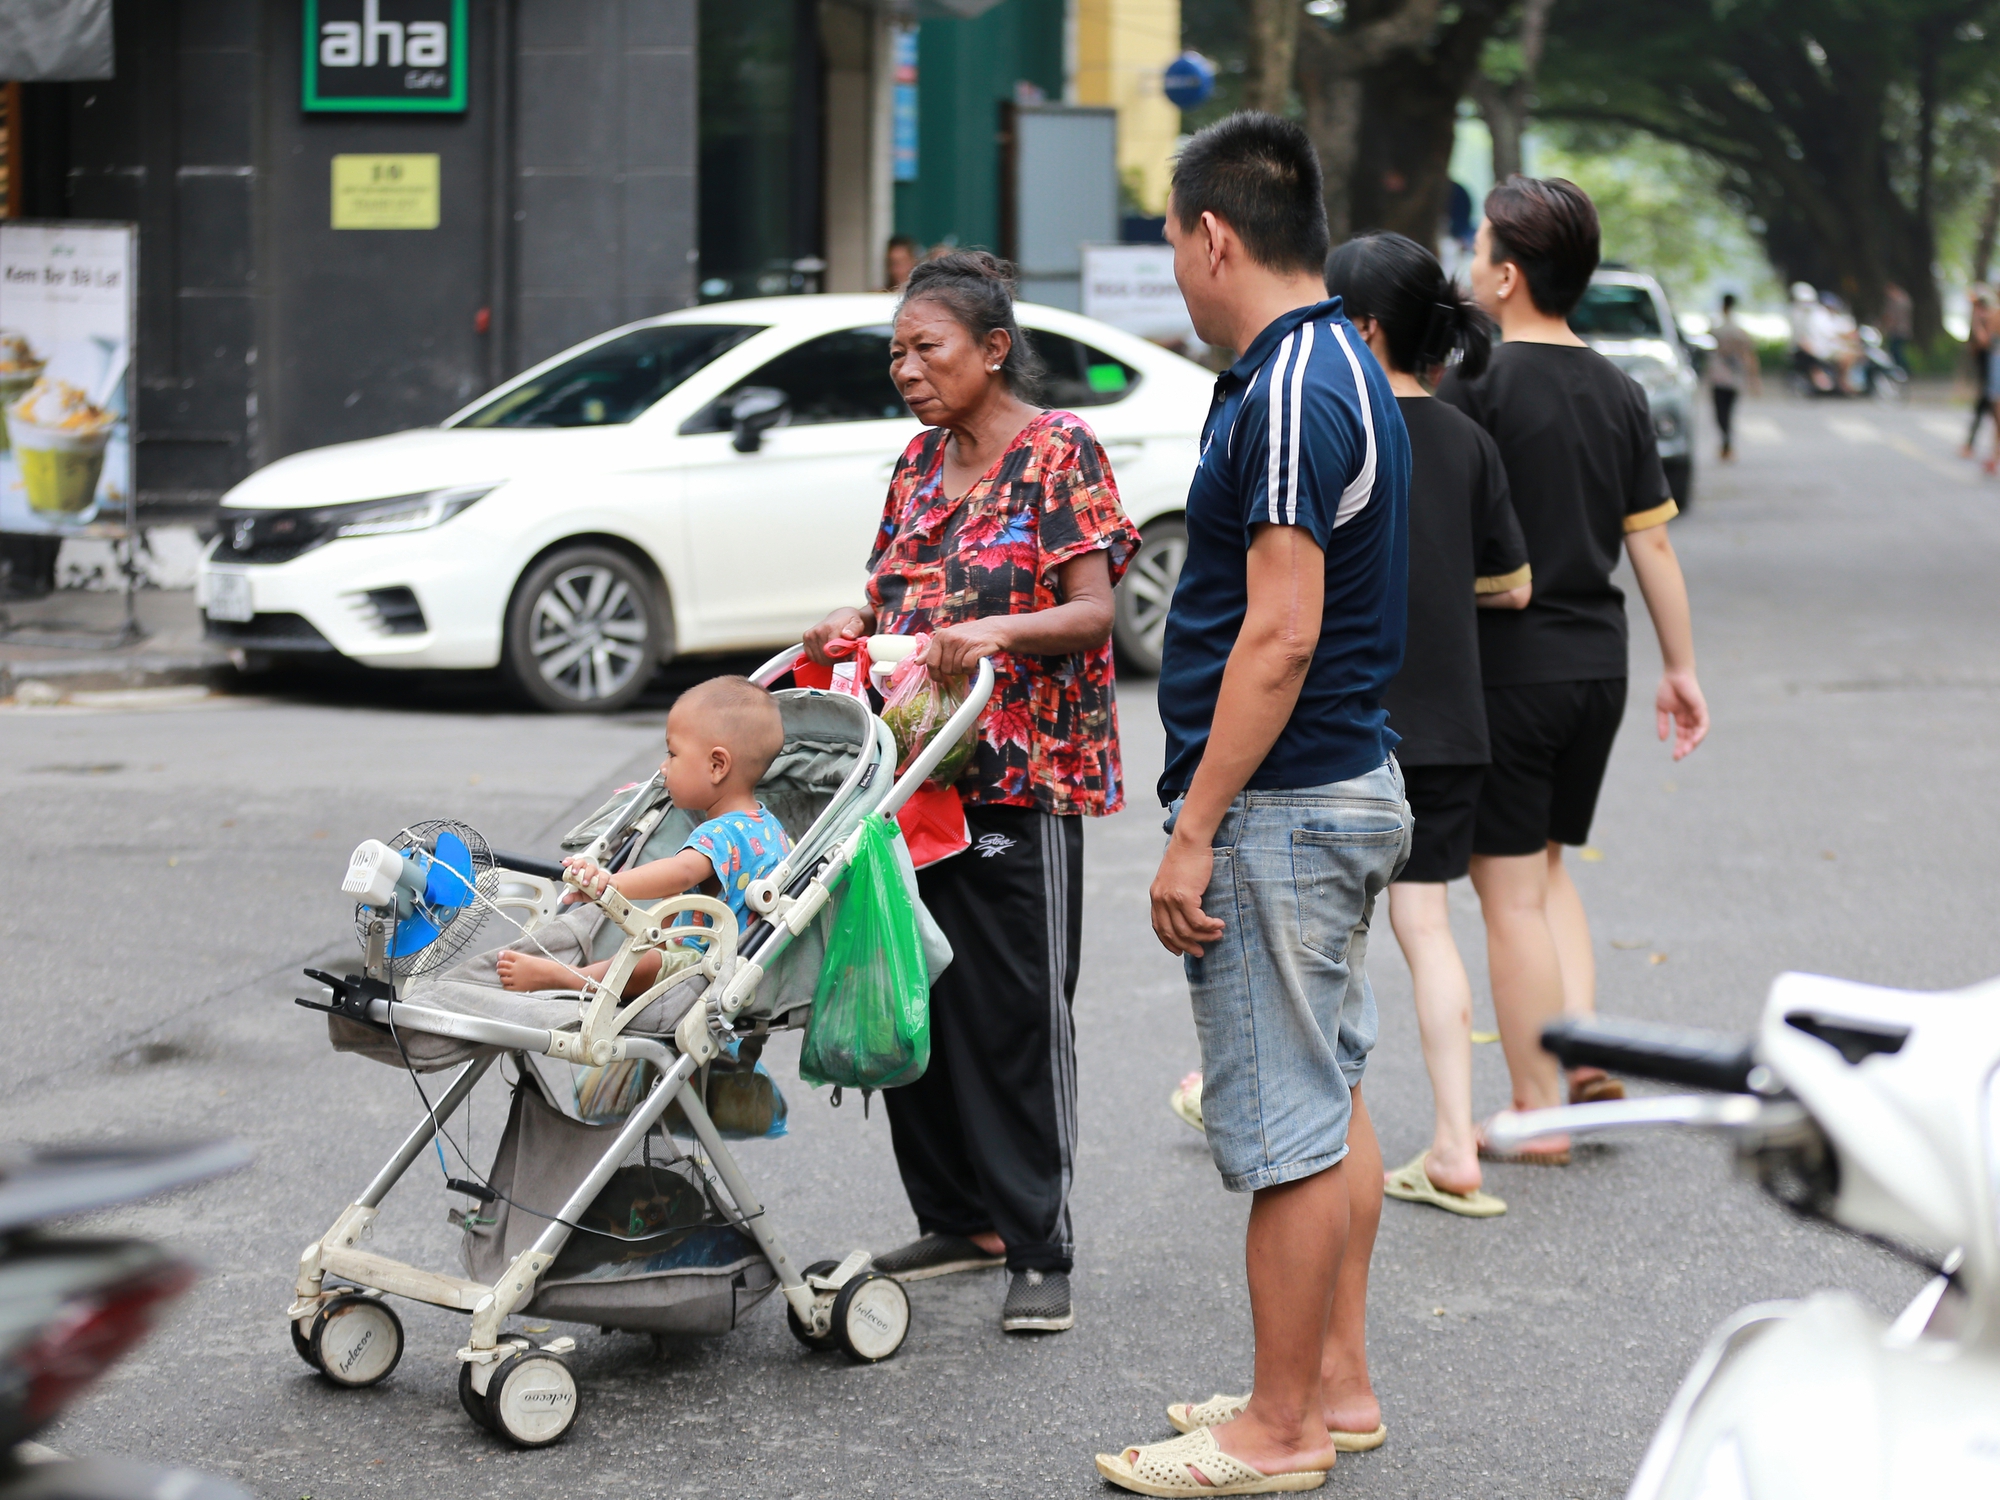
[409, 512]
[1666, 422]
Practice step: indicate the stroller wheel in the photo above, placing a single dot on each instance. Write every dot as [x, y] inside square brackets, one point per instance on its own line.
[302, 1340]
[357, 1340]
[531, 1399]
[471, 1400]
[799, 1330]
[871, 1317]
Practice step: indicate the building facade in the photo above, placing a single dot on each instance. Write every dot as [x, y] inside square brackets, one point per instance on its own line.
[355, 215]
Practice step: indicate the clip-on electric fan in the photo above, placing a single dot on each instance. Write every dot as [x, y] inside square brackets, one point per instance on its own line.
[418, 907]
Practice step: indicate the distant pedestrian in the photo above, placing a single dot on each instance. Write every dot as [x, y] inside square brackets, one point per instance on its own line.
[1466, 549]
[1979, 346]
[1732, 367]
[899, 258]
[1584, 471]
[1993, 396]
[1898, 323]
[1286, 808]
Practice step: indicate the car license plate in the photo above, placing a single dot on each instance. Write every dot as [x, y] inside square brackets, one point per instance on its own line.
[229, 597]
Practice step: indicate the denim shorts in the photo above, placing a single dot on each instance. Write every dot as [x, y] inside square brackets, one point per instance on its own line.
[1281, 1000]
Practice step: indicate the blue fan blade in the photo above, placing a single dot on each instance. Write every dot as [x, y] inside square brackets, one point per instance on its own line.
[413, 933]
[449, 882]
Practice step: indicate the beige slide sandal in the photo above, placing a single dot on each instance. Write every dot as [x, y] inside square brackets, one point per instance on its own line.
[1187, 1416]
[1411, 1183]
[1195, 1465]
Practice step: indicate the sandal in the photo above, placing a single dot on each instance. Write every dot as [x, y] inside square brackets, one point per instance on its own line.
[1185, 1100]
[1413, 1184]
[1195, 1465]
[1188, 1416]
[1556, 1158]
[1593, 1086]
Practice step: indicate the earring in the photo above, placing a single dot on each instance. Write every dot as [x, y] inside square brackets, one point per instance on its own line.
[994, 368]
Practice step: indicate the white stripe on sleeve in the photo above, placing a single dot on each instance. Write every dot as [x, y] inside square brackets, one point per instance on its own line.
[1296, 399]
[1275, 405]
[1355, 496]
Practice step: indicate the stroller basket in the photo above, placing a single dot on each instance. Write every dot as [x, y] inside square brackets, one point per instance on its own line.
[584, 1222]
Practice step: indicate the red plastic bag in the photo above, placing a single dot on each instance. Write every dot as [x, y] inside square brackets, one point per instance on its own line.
[807, 673]
[933, 824]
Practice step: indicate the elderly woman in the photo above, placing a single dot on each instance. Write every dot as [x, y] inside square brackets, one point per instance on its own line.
[1002, 537]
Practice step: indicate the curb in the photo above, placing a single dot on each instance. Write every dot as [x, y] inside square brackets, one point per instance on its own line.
[142, 669]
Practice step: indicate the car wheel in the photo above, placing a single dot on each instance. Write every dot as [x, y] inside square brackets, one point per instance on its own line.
[1680, 481]
[585, 630]
[1140, 622]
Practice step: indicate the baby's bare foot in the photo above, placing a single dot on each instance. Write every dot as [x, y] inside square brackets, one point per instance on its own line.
[525, 972]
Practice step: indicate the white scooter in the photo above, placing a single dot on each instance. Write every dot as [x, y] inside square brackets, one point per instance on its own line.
[1877, 1111]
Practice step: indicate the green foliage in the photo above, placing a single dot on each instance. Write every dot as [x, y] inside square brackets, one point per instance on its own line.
[1662, 211]
[1852, 131]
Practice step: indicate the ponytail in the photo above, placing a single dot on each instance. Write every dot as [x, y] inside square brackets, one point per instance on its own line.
[1426, 318]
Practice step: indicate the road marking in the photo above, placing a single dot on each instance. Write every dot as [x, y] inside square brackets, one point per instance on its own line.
[1854, 429]
[1944, 427]
[1759, 429]
[1861, 430]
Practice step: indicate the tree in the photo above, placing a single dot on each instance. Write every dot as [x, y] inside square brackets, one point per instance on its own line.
[1506, 102]
[1379, 82]
[1824, 116]
[1273, 27]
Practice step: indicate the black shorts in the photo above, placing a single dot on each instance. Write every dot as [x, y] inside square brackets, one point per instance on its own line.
[1444, 800]
[1551, 742]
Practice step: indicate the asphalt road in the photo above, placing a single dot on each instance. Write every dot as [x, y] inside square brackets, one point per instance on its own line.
[176, 867]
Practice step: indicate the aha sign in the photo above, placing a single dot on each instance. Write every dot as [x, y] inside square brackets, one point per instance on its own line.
[370, 55]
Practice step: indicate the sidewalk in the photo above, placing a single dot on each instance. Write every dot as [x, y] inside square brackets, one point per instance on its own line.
[50, 642]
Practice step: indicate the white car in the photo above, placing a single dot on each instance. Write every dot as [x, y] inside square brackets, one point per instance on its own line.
[706, 481]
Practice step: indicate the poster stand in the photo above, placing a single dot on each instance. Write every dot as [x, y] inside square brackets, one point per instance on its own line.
[68, 327]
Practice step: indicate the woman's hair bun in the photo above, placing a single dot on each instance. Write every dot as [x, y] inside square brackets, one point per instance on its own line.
[977, 288]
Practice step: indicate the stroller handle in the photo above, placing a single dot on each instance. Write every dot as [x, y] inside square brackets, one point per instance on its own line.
[955, 728]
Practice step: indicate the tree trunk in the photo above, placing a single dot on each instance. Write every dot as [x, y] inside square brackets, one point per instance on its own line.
[1989, 228]
[1274, 38]
[1504, 122]
[1508, 107]
[1333, 120]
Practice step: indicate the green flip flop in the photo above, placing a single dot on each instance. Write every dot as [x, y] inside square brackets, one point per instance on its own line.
[1413, 1184]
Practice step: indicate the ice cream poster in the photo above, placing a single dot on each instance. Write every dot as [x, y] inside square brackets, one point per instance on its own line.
[67, 301]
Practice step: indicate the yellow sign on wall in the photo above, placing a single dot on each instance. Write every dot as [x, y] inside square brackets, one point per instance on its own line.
[385, 192]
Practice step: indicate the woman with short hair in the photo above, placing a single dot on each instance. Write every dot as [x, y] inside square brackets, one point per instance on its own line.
[1002, 538]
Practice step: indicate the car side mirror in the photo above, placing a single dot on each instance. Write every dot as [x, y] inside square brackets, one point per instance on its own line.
[755, 410]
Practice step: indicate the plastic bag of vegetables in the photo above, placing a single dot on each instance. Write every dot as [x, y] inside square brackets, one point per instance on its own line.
[917, 706]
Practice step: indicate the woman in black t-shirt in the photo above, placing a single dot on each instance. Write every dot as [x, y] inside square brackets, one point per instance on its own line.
[1466, 552]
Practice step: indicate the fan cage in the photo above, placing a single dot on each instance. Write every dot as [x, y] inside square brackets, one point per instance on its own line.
[457, 925]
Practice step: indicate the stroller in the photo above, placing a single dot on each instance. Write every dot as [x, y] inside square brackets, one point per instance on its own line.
[639, 1243]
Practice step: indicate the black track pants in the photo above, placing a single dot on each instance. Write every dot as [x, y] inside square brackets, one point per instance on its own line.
[986, 1139]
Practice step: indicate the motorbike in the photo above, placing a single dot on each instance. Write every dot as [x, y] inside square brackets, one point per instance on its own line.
[1872, 374]
[72, 1304]
[1876, 1111]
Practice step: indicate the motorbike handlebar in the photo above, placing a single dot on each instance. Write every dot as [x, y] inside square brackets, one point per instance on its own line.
[1685, 1055]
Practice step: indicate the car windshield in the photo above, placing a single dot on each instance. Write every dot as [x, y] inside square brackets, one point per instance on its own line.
[613, 382]
[1612, 311]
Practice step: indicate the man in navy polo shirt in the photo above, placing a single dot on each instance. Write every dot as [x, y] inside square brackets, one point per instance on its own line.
[1287, 812]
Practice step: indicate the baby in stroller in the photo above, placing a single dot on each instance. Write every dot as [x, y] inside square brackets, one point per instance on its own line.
[721, 738]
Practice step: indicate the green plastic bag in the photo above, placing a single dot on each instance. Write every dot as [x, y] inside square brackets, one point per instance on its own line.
[871, 1017]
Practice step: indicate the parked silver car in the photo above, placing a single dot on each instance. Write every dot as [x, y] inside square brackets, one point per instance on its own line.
[1626, 317]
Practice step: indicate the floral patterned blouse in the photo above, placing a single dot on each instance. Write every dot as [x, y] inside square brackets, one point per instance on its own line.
[1049, 736]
